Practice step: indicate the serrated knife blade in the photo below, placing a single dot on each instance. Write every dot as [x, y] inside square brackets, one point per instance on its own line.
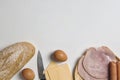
[40, 67]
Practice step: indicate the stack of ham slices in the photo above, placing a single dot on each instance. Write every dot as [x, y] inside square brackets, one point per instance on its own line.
[93, 64]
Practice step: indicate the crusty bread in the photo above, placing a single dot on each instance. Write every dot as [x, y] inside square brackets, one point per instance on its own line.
[13, 58]
[77, 76]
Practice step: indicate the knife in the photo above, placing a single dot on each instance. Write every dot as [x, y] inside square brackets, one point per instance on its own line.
[40, 67]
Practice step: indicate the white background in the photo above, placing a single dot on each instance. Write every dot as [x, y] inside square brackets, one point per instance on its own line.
[70, 25]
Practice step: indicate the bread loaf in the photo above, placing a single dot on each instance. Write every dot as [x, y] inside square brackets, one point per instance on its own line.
[13, 58]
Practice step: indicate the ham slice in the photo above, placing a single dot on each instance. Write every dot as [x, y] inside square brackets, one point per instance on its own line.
[108, 52]
[94, 64]
[83, 73]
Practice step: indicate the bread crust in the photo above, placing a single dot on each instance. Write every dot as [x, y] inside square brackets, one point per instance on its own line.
[13, 58]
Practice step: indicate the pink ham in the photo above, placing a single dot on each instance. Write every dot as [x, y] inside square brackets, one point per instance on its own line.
[94, 65]
[83, 73]
[108, 52]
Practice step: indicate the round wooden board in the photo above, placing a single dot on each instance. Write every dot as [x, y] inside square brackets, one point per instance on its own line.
[76, 74]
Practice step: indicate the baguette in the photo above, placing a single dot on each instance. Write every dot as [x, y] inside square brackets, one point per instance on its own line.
[13, 58]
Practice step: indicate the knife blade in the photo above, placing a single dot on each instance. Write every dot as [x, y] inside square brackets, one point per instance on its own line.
[40, 67]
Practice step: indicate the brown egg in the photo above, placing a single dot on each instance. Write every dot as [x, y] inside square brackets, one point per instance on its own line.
[60, 55]
[28, 74]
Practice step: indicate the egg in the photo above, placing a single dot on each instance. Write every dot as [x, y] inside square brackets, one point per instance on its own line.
[60, 55]
[28, 74]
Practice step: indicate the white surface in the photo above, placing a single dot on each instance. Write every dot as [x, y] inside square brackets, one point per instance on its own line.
[70, 25]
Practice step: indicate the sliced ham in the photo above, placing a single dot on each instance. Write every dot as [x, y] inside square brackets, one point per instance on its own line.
[83, 73]
[108, 52]
[94, 64]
